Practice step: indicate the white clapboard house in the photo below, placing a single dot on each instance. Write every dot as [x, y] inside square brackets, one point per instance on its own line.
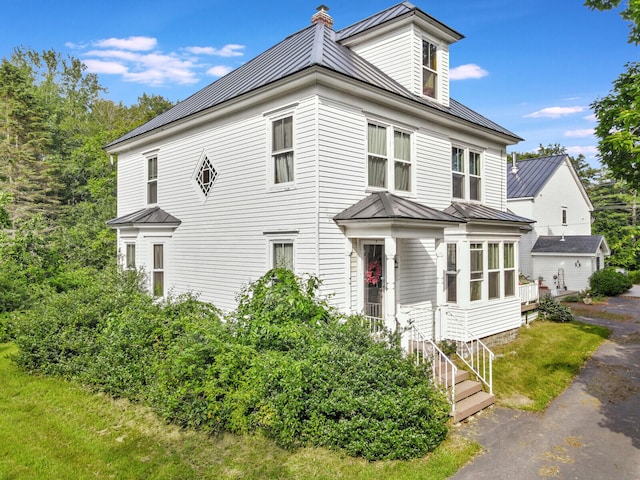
[338, 154]
[559, 252]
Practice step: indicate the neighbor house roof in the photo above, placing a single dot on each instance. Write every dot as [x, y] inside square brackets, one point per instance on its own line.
[387, 206]
[147, 216]
[316, 46]
[532, 174]
[570, 244]
[475, 211]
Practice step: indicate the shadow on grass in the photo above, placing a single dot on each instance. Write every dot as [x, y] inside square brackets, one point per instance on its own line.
[5, 348]
[591, 329]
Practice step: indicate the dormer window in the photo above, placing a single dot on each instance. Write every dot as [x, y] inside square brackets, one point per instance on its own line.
[429, 68]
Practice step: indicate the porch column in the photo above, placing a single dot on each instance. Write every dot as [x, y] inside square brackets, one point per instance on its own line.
[390, 248]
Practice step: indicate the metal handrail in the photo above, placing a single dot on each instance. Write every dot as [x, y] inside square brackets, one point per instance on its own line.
[475, 354]
[443, 370]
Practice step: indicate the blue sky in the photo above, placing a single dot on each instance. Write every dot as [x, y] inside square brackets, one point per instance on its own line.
[533, 66]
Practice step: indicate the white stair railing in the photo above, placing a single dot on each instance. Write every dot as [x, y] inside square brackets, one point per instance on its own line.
[473, 352]
[443, 370]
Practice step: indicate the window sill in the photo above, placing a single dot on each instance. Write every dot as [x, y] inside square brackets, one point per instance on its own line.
[281, 187]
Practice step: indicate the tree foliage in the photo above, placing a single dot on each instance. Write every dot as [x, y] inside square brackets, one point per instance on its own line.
[630, 12]
[618, 128]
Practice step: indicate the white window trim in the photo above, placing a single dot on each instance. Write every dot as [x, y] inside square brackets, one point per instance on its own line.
[126, 256]
[466, 174]
[498, 271]
[152, 244]
[270, 250]
[513, 269]
[390, 158]
[454, 273]
[196, 171]
[280, 114]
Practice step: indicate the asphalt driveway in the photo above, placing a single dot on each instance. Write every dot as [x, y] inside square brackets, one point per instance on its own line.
[591, 431]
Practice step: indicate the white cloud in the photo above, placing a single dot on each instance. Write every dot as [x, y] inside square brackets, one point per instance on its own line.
[555, 112]
[130, 43]
[591, 118]
[579, 133]
[464, 72]
[100, 66]
[219, 70]
[229, 50]
[589, 151]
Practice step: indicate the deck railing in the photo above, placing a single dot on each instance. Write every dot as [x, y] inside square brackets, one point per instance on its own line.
[529, 293]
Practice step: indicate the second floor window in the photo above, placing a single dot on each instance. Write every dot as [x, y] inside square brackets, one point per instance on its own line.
[383, 171]
[429, 69]
[282, 149]
[152, 180]
[466, 174]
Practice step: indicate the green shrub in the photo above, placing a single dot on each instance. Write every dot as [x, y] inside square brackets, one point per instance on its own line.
[283, 364]
[552, 310]
[608, 282]
[634, 276]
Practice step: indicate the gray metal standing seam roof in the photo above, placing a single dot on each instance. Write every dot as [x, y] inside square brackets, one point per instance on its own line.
[316, 45]
[532, 175]
[474, 211]
[387, 206]
[153, 215]
[568, 244]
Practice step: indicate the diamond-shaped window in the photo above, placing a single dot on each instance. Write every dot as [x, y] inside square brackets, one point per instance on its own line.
[206, 176]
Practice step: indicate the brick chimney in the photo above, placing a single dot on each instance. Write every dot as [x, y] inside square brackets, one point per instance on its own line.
[322, 16]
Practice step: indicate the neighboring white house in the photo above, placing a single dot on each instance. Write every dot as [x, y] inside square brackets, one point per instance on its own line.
[559, 249]
[339, 154]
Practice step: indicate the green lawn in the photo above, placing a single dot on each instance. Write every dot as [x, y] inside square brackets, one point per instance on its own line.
[52, 429]
[529, 372]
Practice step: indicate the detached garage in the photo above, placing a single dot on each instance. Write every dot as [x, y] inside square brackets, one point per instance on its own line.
[565, 263]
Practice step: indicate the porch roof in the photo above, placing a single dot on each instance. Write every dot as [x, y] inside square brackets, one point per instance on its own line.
[473, 211]
[387, 206]
[147, 216]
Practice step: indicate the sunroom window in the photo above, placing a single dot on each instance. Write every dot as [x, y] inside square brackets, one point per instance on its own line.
[477, 271]
[494, 270]
[509, 270]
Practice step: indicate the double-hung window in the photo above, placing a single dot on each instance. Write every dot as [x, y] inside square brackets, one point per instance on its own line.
[130, 256]
[282, 255]
[429, 69]
[477, 271]
[377, 155]
[466, 174]
[509, 269]
[152, 180]
[452, 273]
[383, 172]
[402, 160]
[494, 270]
[282, 150]
[158, 270]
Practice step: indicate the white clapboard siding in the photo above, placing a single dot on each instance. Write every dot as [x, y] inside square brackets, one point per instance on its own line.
[576, 278]
[490, 318]
[433, 170]
[341, 174]
[393, 54]
[416, 276]
[221, 243]
[494, 183]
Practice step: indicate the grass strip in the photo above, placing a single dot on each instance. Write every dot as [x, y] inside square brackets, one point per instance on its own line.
[54, 429]
[542, 362]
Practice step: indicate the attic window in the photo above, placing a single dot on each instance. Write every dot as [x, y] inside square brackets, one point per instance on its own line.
[206, 176]
[429, 69]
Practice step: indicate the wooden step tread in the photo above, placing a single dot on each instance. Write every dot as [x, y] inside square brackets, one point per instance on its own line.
[472, 405]
[466, 389]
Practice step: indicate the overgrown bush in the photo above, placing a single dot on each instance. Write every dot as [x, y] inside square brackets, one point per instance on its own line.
[552, 310]
[283, 364]
[634, 277]
[608, 282]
